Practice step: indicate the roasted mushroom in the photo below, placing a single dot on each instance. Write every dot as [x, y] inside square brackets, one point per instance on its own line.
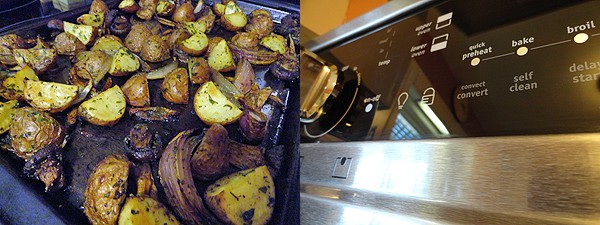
[153, 113]
[142, 144]
[287, 67]
[120, 26]
[45, 165]
[211, 158]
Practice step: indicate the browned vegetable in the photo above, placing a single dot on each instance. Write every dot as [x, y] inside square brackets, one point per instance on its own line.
[260, 57]
[155, 49]
[184, 13]
[7, 44]
[245, 40]
[120, 26]
[209, 20]
[211, 158]
[261, 23]
[165, 8]
[13, 87]
[98, 6]
[136, 38]
[144, 181]
[32, 130]
[244, 76]
[234, 21]
[212, 42]
[136, 90]
[288, 66]
[255, 99]
[176, 177]
[92, 65]
[177, 37]
[67, 44]
[45, 165]
[253, 125]
[105, 190]
[108, 43]
[147, 9]
[195, 45]
[246, 156]
[153, 113]
[275, 42]
[142, 144]
[175, 86]
[38, 59]
[142, 210]
[199, 70]
[129, 6]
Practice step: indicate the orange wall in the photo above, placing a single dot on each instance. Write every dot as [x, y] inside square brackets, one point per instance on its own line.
[359, 7]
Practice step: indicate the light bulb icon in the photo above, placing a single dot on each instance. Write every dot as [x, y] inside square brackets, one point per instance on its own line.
[402, 99]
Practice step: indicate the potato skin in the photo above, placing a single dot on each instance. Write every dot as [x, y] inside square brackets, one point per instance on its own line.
[211, 157]
[31, 130]
[199, 70]
[177, 37]
[67, 44]
[260, 24]
[245, 40]
[175, 86]
[155, 49]
[137, 37]
[106, 189]
[136, 90]
[92, 65]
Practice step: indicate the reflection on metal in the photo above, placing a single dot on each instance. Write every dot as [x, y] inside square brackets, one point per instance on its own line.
[544, 179]
[434, 118]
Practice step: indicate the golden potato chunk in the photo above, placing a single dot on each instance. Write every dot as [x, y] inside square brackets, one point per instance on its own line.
[220, 57]
[123, 63]
[105, 109]
[6, 111]
[145, 211]
[212, 106]
[49, 96]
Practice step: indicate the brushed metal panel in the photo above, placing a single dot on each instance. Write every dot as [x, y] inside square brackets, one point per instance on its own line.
[540, 179]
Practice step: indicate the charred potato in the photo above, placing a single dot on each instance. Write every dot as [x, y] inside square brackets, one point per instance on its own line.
[276, 43]
[137, 37]
[94, 20]
[15, 85]
[184, 13]
[7, 44]
[85, 33]
[39, 59]
[155, 50]
[123, 63]
[129, 6]
[245, 40]
[67, 44]
[211, 158]
[220, 58]
[165, 8]
[108, 43]
[106, 190]
[213, 107]
[136, 90]
[49, 96]
[6, 111]
[245, 197]
[145, 211]
[199, 70]
[32, 130]
[261, 23]
[92, 65]
[105, 109]
[175, 86]
[196, 45]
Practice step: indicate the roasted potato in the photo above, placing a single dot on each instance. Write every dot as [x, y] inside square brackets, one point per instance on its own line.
[245, 197]
[234, 21]
[6, 111]
[147, 9]
[144, 182]
[67, 44]
[175, 86]
[137, 37]
[195, 27]
[49, 96]
[94, 20]
[211, 158]
[106, 190]
[7, 44]
[212, 106]
[177, 37]
[275, 42]
[199, 70]
[261, 23]
[245, 40]
[184, 13]
[136, 90]
[253, 125]
[32, 130]
[165, 8]
[92, 65]
[123, 63]
[129, 6]
[108, 43]
[219, 9]
[220, 57]
[212, 42]
[15, 85]
[142, 210]
[155, 49]
[105, 109]
[209, 20]
[99, 7]
[39, 59]
[196, 45]
[85, 33]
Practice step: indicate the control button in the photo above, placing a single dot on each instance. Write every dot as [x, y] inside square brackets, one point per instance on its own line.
[368, 107]
[444, 21]
[521, 51]
[402, 99]
[341, 169]
[581, 38]
[428, 96]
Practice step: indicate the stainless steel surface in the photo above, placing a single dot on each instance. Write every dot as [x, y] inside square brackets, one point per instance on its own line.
[543, 179]
[365, 23]
[318, 80]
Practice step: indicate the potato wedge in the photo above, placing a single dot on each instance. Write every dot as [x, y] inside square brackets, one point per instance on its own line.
[208, 20]
[106, 189]
[105, 109]
[129, 6]
[275, 42]
[39, 59]
[212, 106]
[68, 44]
[85, 33]
[143, 210]
[136, 90]
[175, 86]
[219, 9]
[220, 57]
[123, 63]
[108, 43]
[198, 70]
[245, 197]
[6, 111]
[94, 20]
[165, 8]
[137, 37]
[234, 21]
[49, 96]
[92, 65]
[155, 49]
[196, 45]
[195, 27]
[15, 85]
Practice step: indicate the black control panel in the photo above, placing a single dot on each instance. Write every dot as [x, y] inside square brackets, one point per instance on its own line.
[480, 68]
